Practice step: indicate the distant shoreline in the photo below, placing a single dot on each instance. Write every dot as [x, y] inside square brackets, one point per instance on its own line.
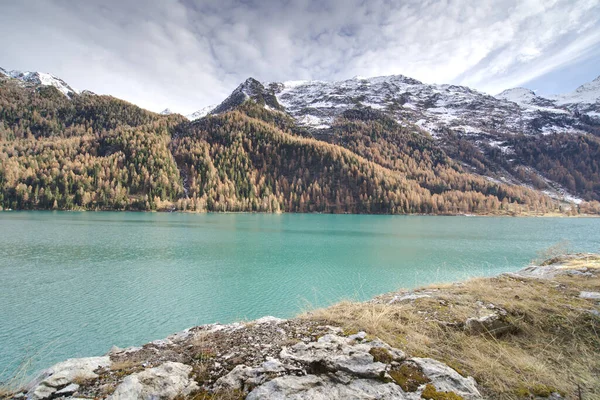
[526, 215]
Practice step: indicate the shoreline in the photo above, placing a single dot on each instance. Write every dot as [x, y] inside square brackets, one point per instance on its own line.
[522, 215]
[256, 357]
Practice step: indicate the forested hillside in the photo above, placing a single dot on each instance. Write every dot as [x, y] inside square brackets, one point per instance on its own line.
[101, 153]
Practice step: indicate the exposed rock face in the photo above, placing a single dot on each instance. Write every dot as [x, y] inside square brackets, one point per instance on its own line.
[495, 324]
[59, 377]
[333, 353]
[446, 379]
[590, 295]
[337, 367]
[557, 266]
[166, 381]
[328, 387]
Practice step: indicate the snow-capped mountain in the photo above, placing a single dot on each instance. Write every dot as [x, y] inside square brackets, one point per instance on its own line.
[166, 111]
[40, 78]
[585, 100]
[479, 130]
[528, 99]
[203, 112]
[588, 93]
[435, 108]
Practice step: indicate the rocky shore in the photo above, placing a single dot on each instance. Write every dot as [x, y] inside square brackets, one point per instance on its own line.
[333, 354]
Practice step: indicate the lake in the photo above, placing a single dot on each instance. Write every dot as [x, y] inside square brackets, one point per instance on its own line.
[74, 284]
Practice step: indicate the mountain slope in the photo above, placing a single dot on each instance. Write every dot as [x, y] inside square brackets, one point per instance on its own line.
[485, 134]
[98, 152]
[40, 78]
[584, 101]
[250, 154]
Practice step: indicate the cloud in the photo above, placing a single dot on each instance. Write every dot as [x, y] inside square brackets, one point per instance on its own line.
[190, 53]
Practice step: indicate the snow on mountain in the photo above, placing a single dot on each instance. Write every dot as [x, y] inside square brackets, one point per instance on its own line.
[166, 111]
[588, 93]
[41, 78]
[203, 112]
[435, 108]
[585, 100]
[249, 89]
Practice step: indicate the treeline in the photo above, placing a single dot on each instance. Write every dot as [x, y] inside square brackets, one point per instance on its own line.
[100, 153]
[572, 160]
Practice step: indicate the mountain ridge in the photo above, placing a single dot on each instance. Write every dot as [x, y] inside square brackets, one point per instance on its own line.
[416, 132]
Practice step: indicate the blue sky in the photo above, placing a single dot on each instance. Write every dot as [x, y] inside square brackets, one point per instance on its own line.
[191, 53]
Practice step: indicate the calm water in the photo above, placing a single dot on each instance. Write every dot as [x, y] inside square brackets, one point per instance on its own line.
[74, 284]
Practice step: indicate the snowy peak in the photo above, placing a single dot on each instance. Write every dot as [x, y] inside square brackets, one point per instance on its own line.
[528, 99]
[588, 93]
[166, 111]
[250, 89]
[41, 79]
[517, 95]
[201, 113]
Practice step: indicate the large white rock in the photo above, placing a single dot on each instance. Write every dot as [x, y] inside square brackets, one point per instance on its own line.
[328, 387]
[335, 353]
[446, 379]
[590, 295]
[63, 373]
[166, 381]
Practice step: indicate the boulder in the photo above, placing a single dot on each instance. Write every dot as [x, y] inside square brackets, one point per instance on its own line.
[243, 377]
[445, 379]
[68, 390]
[328, 387]
[166, 381]
[334, 353]
[590, 295]
[495, 324]
[62, 374]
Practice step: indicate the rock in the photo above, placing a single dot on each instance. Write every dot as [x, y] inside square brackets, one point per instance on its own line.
[180, 336]
[327, 387]
[269, 320]
[408, 298]
[243, 377]
[495, 324]
[63, 373]
[446, 379]
[41, 392]
[335, 353]
[590, 295]
[330, 354]
[166, 381]
[69, 389]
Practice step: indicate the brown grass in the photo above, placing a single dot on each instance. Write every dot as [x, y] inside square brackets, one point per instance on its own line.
[556, 345]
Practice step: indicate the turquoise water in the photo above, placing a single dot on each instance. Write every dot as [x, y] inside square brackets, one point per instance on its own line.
[74, 284]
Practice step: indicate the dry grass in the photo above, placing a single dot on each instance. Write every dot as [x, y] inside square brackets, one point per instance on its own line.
[18, 378]
[221, 395]
[123, 365]
[556, 346]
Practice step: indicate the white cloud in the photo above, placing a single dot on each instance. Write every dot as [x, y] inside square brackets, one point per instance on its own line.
[187, 54]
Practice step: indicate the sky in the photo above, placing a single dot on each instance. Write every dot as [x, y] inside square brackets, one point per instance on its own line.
[188, 54]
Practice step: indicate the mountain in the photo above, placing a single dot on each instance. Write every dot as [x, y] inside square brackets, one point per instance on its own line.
[515, 137]
[588, 93]
[529, 100]
[203, 112]
[253, 90]
[377, 145]
[584, 101]
[41, 79]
